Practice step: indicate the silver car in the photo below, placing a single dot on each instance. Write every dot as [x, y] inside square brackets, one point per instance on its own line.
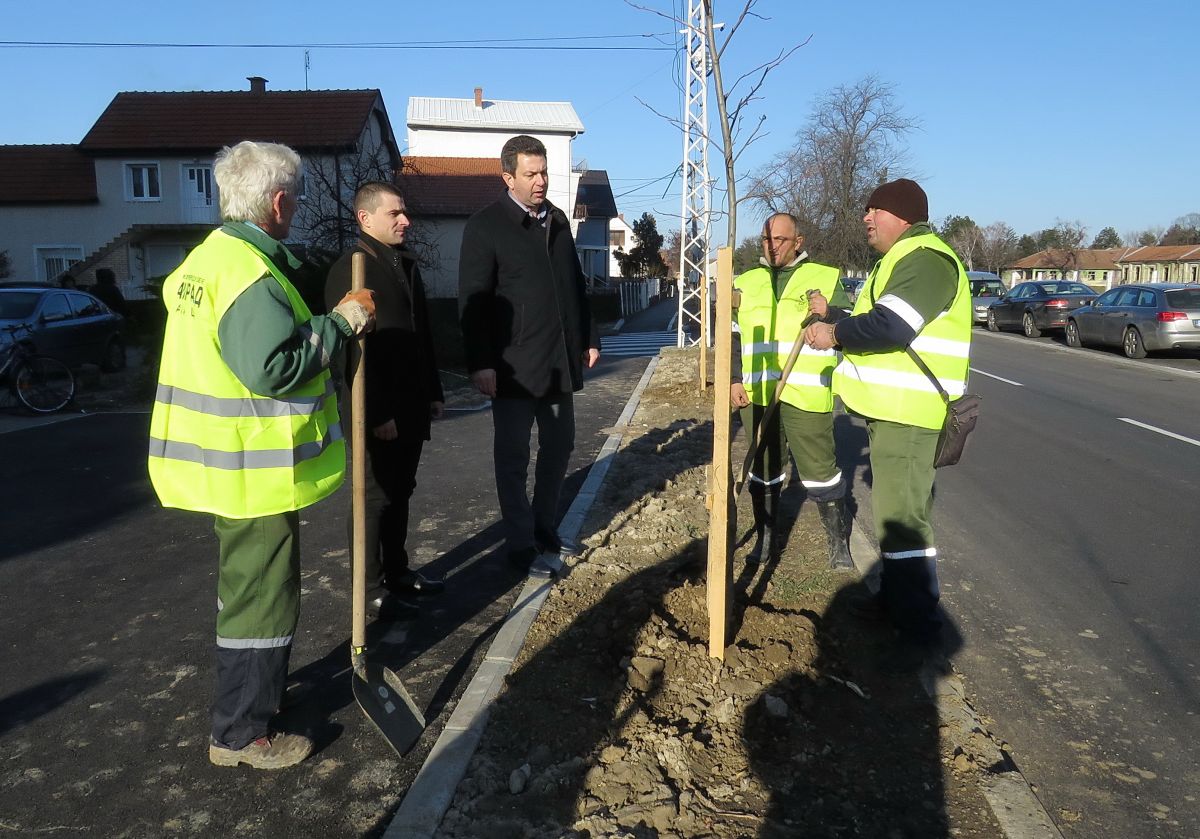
[986, 289]
[1140, 319]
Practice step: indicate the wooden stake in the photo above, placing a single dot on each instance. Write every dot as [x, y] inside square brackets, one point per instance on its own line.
[720, 526]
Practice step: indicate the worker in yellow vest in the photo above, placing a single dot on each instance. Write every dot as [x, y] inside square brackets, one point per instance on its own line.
[775, 301]
[917, 298]
[245, 427]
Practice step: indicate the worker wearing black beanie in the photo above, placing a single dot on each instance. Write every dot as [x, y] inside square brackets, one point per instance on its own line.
[902, 198]
[915, 299]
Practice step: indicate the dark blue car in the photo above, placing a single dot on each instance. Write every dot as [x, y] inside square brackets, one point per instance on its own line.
[72, 326]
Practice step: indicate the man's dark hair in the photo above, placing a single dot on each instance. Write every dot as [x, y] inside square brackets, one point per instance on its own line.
[105, 276]
[521, 144]
[367, 196]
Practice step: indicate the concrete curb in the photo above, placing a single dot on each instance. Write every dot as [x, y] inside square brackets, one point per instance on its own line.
[431, 792]
[1010, 797]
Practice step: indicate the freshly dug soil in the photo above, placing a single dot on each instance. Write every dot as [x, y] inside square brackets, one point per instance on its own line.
[616, 722]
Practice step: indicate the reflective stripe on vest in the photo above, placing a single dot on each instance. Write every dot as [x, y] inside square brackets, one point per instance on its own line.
[769, 329]
[888, 385]
[215, 446]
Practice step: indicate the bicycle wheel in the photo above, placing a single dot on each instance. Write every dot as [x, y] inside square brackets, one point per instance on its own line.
[44, 384]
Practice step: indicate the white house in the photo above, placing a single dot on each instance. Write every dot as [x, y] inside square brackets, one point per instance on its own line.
[478, 128]
[620, 238]
[137, 192]
[452, 170]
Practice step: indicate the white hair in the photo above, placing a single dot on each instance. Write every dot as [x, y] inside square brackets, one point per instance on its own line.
[248, 176]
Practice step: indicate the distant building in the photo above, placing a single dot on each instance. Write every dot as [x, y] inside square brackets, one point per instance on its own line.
[452, 170]
[1093, 266]
[1160, 264]
[620, 238]
[1106, 267]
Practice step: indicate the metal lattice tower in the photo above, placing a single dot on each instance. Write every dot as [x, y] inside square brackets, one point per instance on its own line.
[697, 190]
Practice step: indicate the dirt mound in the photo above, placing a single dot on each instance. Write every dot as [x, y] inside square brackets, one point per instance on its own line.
[616, 722]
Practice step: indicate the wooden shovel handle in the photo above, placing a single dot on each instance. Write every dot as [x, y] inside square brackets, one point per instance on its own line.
[358, 475]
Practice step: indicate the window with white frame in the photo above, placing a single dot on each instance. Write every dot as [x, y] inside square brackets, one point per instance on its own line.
[141, 182]
[53, 260]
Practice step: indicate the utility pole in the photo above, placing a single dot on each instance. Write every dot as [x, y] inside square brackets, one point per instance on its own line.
[697, 190]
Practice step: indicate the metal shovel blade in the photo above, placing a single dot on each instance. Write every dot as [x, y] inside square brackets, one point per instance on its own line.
[388, 706]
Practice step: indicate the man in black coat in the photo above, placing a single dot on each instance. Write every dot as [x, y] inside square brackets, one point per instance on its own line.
[403, 392]
[528, 333]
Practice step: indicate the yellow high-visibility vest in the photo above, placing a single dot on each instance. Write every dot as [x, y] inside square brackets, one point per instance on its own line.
[769, 328]
[216, 447]
[888, 385]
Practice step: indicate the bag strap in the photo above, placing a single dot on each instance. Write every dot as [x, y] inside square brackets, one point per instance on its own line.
[925, 369]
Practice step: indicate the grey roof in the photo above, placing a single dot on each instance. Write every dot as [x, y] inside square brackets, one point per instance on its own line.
[431, 112]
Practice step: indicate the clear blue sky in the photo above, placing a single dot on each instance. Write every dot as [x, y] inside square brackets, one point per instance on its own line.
[1029, 111]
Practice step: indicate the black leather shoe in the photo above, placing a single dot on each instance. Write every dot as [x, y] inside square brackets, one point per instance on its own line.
[522, 558]
[389, 607]
[549, 543]
[414, 582]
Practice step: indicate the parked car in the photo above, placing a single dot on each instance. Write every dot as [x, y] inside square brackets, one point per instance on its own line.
[852, 285]
[1038, 306]
[1140, 319]
[986, 289]
[72, 326]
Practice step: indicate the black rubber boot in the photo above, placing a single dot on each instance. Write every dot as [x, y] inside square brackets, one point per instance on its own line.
[833, 516]
[765, 502]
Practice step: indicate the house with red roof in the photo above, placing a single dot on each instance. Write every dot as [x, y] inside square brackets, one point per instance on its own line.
[137, 192]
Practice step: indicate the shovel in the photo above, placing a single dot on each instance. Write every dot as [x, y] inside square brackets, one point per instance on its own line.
[378, 690]
[773, 405]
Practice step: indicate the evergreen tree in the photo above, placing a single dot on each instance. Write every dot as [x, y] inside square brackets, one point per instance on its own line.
[645, 259]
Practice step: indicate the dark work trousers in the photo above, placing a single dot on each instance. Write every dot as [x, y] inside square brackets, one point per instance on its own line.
[902, 474]
[513, 419]
[391, 479]
[809, 437]
[258, 607]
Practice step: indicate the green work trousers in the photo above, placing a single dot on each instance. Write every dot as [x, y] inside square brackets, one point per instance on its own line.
[258, 608]
[902, 475]
[809, 436]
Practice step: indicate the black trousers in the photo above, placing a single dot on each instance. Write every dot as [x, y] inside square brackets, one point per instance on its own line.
[391, 480]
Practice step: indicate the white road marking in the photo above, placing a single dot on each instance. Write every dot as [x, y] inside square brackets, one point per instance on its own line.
[1162, 431]
[998, 378]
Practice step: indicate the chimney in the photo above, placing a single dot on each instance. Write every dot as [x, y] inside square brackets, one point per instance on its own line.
[479, 97]
[257, 84]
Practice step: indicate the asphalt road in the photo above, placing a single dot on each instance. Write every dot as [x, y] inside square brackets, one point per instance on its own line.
[107, 604]
[1067, 540]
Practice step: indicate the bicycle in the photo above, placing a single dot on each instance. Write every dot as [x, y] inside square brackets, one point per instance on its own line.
[42, 384]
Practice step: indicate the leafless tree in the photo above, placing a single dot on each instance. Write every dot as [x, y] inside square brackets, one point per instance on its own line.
[997, 247]
[326, 218]
[1067, 237]
[671, 250]
[1148, 236]
[732, 103]
[854, 140]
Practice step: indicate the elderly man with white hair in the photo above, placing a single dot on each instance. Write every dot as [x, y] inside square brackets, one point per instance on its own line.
[245, 427]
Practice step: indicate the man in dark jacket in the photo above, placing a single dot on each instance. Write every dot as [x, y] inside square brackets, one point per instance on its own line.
[528, 332]
[403, 392]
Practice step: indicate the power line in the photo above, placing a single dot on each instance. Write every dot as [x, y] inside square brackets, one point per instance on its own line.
[535, 44]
